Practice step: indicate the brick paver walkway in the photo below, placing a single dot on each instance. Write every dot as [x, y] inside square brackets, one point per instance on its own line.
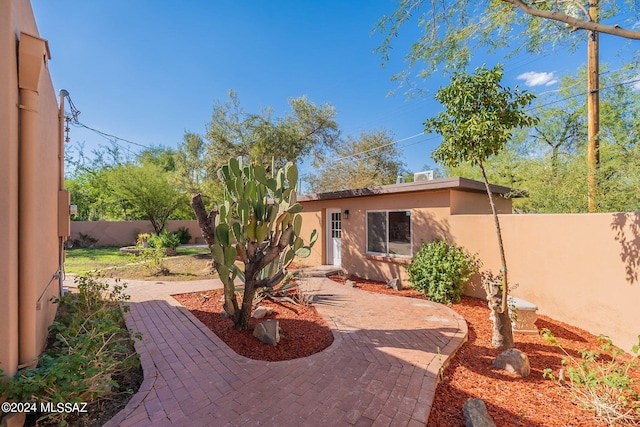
[381, 369]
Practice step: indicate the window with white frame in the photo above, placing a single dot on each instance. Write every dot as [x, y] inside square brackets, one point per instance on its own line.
[389, 233]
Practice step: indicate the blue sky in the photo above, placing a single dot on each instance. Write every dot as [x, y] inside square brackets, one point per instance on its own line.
[147, 71]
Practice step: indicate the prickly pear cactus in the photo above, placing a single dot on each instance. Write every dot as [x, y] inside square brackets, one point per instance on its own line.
[259, 225]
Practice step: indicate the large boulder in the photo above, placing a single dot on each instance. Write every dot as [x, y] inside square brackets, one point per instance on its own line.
[513, 361]
[476, 415]
[269, 332]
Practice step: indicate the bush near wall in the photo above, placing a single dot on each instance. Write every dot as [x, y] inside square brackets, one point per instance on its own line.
[440, 270]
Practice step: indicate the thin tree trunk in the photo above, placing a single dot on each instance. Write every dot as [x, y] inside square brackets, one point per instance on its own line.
[502, 331]
[241, 321]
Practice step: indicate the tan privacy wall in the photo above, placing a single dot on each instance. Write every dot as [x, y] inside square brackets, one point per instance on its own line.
[29, 174]
[123, 233]
[582, 269]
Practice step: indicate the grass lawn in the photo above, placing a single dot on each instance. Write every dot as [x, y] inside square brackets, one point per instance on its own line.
[188, 263]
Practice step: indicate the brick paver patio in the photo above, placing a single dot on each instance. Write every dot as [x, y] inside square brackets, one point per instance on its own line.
[381, 369]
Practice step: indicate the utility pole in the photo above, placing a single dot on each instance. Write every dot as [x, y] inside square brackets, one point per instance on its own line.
[593, 109]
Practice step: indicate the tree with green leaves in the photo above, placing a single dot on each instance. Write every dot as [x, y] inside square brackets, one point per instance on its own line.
[309, 130]
[258, 223]
[163, 157]
[191, 168]
[146, 192]
[452, 30]
[479, 118]
[547, 164]
[370, 160]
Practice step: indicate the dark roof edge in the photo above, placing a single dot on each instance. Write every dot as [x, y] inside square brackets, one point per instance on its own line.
[455, 183]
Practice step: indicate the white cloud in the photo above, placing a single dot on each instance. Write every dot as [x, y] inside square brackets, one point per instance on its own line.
[635, 86]
[533, 78]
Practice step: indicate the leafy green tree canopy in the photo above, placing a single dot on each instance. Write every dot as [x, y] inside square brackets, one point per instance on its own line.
[308, 130]
[147, 193]
[479, 118]
[453, 29]
[547, 164]
[372, 159]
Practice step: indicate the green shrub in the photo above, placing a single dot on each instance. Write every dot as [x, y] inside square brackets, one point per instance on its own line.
[89, 347]
[439, 270]
[183, 235]
[601, 381]
[165, 239]
[152, 259]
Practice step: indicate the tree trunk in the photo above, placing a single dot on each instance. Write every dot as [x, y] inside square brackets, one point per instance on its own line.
[242, 317]
[502, 331]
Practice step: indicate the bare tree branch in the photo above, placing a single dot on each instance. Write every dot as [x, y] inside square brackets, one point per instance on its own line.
[614, 30]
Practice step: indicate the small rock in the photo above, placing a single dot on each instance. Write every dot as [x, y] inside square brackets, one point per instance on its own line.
[261, 312]
[476, 415]
[513, 361]
[269, 332]
[224, 314]
[395, 284]
[350, 283]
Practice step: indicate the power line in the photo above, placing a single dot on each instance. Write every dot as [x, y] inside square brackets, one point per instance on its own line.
[112, 138]
[378, 147]
[583, 94]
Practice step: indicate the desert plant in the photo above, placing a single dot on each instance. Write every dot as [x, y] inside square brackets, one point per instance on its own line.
[165, 239]
[89, 346]
[439, 270]
[83, 241]
[152, 259]
[259, 224]
[601, 381]
[142, 239]
[280, 292]
[183, 235]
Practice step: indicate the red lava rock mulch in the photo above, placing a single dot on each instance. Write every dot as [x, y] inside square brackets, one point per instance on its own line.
[304, 331]
[512, 401]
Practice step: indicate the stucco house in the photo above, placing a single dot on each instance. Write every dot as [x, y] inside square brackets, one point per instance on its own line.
[578, 268]
[34, 208]
[373, 232]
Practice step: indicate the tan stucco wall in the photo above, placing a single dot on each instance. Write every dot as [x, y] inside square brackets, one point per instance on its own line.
[16, 16]
[572, 266]
[9, 195]
[123, 233]
[430, 211]
[463, 202]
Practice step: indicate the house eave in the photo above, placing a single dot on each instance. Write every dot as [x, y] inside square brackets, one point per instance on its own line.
[455, 183]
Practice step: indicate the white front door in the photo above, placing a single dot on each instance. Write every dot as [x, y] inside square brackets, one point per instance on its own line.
[334, 237]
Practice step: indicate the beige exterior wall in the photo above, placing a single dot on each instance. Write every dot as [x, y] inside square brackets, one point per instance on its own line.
[429, 217]
[123, 233]
[29, 172]
[578, 268]
[463, 202]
